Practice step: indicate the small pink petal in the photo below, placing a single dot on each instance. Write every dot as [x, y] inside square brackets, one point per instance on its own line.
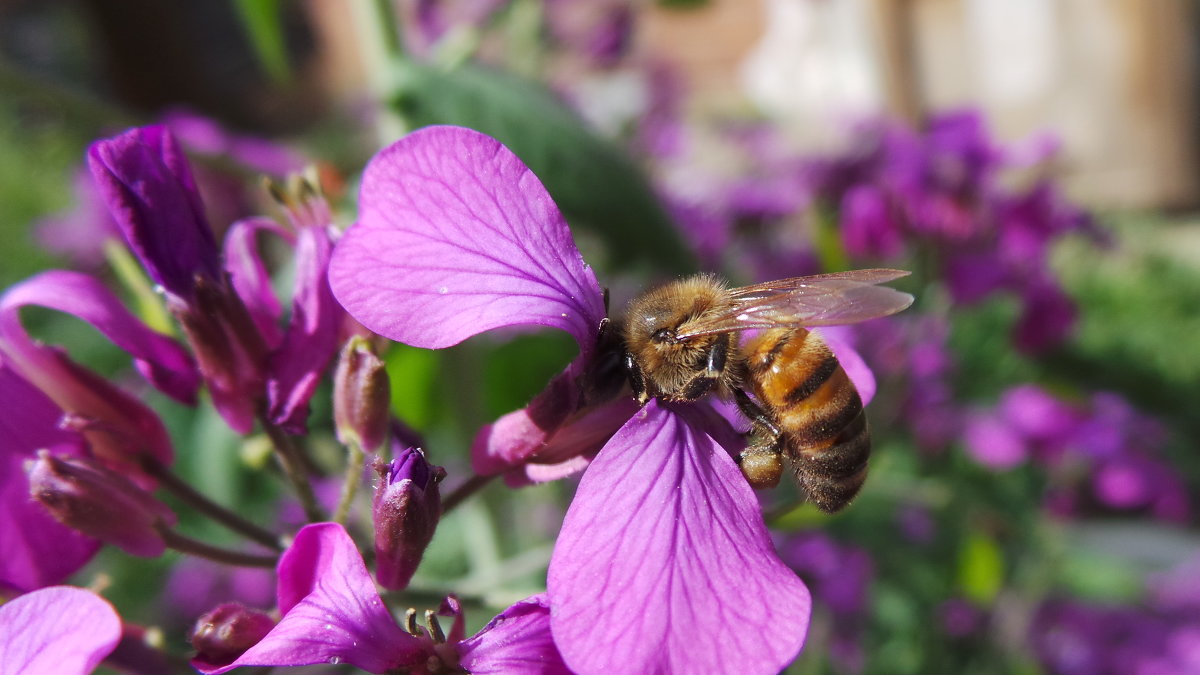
[456, 236]
[162, 361]
[311, 338]
[249, 275]
[664, 564]
[518, 640]
[331, 611]
[58, 630]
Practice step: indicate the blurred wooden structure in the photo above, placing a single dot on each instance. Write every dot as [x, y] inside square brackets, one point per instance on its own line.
[1116, 80]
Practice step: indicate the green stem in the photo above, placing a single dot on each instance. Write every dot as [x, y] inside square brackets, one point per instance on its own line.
[293, 467]
[466, 489]
[354, 469]
[206, 506]
[185, 544]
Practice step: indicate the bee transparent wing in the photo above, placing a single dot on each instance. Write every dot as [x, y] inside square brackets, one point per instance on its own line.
[819, 300]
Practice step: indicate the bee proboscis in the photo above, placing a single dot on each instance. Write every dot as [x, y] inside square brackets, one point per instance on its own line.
[681, 342]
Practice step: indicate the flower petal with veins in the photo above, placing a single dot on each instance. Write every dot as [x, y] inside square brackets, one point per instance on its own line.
[456, 236]
[664, 563]
[331, 611]
[60, 629]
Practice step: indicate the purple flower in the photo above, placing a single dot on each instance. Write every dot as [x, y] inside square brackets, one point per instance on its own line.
[331, 613]
[663, 563]
[405, 510]
[61, 629]
[38, 551]
[99, 502]
[226, 308]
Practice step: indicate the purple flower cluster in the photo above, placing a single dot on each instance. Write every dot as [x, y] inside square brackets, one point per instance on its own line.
[840, 576]
[1102, 443]
[1160, 636]
[945, 191]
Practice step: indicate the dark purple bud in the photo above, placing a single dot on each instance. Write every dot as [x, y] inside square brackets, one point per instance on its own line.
[144, 178]
[84, 495]
[406, 509]
[225, 633]
[361, 396]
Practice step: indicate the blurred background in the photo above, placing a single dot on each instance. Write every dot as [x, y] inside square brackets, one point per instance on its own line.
[1032, 506]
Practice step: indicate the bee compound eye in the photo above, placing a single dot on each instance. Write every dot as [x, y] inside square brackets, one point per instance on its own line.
[663, 335]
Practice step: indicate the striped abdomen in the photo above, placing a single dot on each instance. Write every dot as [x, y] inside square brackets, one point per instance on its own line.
[823, 429]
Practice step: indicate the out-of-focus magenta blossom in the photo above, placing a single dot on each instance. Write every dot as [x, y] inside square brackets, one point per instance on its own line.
[455, 237]
[1115, 445]
[226, 308]
[38, 551]
[944, 191]
[120, 429]
[84, 495]
[405, 510]
[840, 576]
[331, 613]
[1075, 638]
[60, 630]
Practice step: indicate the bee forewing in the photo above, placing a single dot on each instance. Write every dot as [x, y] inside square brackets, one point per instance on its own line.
[820, 300]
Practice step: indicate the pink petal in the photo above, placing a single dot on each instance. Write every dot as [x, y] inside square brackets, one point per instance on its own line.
[57, 631]
[249, 275]
[311, 339]
[840, 342]
[162, 361]
[456, 236]
[664, 563]
[331, 611]
[518, 640]
[38, 550]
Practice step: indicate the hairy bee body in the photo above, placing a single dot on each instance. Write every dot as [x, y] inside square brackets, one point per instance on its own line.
[681, 342]
[821, 424]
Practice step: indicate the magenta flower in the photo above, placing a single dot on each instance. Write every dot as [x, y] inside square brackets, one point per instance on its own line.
[226, 307]
[664, 563]
[38, 551]
[331, 613]
[60, 629]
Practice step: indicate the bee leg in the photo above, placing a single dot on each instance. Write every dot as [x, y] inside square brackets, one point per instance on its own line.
[758, 417]
[762, 461]
[714, 369]
[637, 380]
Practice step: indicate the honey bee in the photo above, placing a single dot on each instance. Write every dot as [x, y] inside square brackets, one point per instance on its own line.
[682, 341]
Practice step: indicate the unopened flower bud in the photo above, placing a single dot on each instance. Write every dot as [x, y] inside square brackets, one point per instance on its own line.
[84, 495]
[225, 633]
[406, 509]
[361, 396]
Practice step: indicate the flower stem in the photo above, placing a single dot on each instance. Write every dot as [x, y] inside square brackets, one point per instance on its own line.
[354, 469]
[466, 489]
[185, 544]
[293, 467]
[189, 495]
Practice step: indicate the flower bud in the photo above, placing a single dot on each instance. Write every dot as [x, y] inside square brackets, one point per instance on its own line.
[225, 633]
[361, 396]
[406, 509]
[84, 495]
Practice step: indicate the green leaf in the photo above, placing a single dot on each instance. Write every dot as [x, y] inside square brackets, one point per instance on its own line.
[596, 185]
[261, 19]
[413, 376]
[980, 568]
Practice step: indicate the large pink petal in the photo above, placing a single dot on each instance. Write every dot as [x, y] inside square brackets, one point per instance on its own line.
[456, 236]
[331, 611]
[58, 630]
[664, 564]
